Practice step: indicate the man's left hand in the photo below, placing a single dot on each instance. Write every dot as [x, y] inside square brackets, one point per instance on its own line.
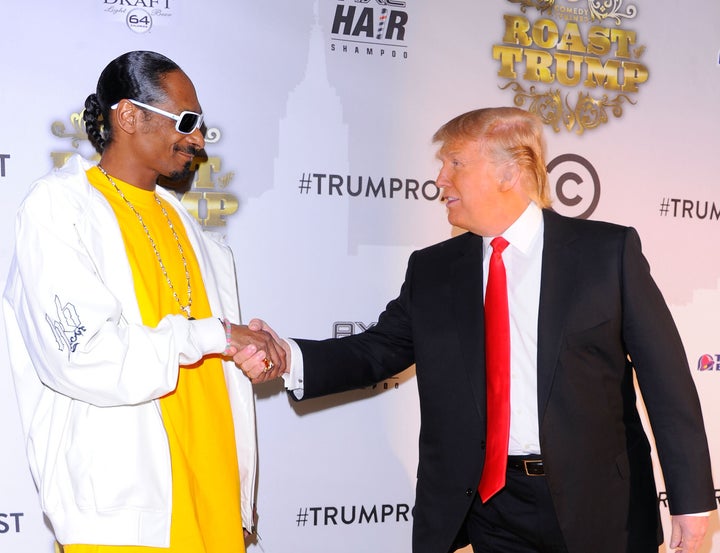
[688, 532]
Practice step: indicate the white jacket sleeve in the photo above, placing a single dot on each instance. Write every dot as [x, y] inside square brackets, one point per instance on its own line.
[84, 336]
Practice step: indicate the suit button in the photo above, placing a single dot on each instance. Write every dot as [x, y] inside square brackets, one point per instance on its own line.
[469, 492]
[482, 444]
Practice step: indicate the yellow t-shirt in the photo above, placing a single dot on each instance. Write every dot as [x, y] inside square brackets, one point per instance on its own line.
[206, 516]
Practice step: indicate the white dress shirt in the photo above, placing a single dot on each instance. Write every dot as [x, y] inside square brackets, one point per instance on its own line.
[523, 267]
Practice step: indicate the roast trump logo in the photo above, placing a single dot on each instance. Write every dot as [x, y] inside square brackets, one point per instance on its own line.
[570, 62]
[205, 197]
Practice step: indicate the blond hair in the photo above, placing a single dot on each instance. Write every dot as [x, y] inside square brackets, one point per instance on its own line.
[505, 135]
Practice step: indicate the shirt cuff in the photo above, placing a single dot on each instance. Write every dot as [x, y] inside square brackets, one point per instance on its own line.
[294, 378]
[209, 335]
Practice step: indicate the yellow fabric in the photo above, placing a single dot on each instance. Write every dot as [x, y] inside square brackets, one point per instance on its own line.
[205, 480]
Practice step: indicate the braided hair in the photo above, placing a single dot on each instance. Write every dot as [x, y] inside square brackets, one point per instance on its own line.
[134, 75]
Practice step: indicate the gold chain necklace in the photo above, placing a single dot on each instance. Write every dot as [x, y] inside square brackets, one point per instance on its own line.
[185, 308]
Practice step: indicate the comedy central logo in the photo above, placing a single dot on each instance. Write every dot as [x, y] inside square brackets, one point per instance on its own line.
[575, 184]
[370, 28]
[204, 197]
[573, 64]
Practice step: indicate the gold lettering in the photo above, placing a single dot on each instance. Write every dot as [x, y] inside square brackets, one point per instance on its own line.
[538, 65]
[205, 171]
[565, 75]
[545, 33]
[598, 41]
[219, 206]
[210, 208]
[507, 55]
[599, 74]
[624, 40]
[572, 40]
[634, 74]
[516, 30]
[191, 201]
[570, 48]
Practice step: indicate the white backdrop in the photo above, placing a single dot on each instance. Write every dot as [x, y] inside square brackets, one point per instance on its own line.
[321, 176]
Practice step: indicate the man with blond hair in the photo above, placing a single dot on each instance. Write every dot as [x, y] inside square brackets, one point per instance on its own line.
[527, 332]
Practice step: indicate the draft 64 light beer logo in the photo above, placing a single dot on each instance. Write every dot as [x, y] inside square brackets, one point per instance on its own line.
[571, 62]
[205, 197]
[139, 15]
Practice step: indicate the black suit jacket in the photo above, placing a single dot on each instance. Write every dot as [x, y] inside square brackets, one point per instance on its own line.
[600, 316]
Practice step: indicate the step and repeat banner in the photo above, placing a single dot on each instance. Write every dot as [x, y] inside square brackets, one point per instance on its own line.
[321, 173]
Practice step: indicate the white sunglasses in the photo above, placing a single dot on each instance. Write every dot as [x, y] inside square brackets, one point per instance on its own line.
[185, 123]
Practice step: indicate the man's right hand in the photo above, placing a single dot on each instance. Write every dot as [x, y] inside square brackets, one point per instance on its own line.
[253, 357]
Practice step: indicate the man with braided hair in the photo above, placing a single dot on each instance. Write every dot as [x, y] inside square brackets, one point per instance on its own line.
[121, 313]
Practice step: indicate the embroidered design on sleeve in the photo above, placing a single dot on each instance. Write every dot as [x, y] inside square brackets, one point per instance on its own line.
[67, 328]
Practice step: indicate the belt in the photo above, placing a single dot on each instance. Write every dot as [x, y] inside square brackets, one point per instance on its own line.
[530, 465]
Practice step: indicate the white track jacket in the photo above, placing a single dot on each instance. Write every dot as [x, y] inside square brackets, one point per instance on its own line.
[88, 374]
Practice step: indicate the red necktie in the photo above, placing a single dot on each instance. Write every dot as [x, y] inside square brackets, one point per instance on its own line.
[497, 371]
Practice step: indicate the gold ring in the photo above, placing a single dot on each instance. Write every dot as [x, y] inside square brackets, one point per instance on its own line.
[268, 365]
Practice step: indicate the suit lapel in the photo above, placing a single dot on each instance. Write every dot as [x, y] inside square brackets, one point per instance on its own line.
[560, 259]
[466, 281]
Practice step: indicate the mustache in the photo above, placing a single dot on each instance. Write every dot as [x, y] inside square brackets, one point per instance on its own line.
[191, 150]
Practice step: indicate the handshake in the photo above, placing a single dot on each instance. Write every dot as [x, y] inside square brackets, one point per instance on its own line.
[258, 351]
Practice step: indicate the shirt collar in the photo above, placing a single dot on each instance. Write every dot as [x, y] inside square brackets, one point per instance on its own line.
[523, 232]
